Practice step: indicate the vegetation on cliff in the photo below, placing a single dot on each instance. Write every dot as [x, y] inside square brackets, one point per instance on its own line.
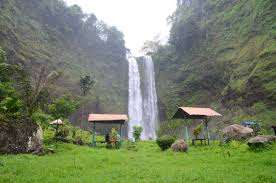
[221, 54]
[50, 33]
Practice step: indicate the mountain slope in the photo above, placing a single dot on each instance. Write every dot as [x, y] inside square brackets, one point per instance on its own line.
[50, 33]
[221, 54]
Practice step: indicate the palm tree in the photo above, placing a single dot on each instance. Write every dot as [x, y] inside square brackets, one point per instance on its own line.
[86, 83]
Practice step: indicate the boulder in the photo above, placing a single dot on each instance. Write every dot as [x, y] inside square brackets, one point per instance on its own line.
[261, 140]
[179, 145]
[257, 141]
[236, 132]
[16, 135]
[270, 138]
[35, 141]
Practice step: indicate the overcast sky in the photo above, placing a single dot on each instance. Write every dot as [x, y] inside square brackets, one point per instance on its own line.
[139, 20]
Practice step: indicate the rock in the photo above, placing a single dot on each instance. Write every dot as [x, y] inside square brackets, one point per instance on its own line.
[270, 138]
[236, 132]
[39, 151]
[15, 135]
[261, 140]
[51, 150]
[179, 145]
[257, 141]
[35, 141]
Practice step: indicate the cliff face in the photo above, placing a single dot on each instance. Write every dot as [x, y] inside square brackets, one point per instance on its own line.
[50, 33]
[221, 54]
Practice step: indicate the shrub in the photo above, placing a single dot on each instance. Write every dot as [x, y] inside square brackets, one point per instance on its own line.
[114, 135]
[130, 145]
[78, 141]
[165, 141]
[42, 119]
[74, 131]
[137, 130]
[62, 133]
[197, 130]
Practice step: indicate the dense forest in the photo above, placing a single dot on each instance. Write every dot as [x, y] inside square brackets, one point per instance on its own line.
[221, 53]
[62, 38]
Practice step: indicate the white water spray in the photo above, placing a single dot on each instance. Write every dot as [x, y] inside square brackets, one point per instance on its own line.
[150, 110]
[135, 109]
[142, 111]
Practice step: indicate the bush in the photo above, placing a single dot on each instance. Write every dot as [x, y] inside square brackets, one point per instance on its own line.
[130, 145]
[42, 119]
[165, 141]
[62, 133]
[74, 131]
[137, 130]
[78, 141]
[197, 130]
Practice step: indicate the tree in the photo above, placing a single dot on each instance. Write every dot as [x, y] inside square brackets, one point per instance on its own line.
[152, 46]
[31, 95]
[86, 83]
[10, 105]
[62, 107]
[6, 70]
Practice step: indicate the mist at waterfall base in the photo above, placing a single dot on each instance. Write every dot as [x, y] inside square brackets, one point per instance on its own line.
[142, 105]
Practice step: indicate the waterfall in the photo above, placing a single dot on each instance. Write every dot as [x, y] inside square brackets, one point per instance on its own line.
[142, 110]
[135, 109]
[150, 110]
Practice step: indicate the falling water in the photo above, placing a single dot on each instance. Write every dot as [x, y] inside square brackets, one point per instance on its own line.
[135, 109]
[150, 110]
[142, 110]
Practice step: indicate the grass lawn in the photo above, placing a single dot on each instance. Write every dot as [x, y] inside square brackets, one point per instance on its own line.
[145, 164]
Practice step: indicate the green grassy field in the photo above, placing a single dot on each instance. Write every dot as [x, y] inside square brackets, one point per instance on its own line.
[147, 163]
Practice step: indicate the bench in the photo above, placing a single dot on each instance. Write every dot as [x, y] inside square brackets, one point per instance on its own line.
[199, 139]
[110, 143]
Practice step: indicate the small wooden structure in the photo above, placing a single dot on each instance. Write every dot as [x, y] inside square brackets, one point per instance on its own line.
[204, 114]
[119, 119]
[56, 123]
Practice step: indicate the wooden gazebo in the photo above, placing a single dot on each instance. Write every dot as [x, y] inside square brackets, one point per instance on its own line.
[204, 114]
[119, 119]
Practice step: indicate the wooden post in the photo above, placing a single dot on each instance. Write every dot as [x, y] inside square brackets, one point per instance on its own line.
[207, 130]
[121, 135]
[93, 134]
[56, 134]
[186, 134]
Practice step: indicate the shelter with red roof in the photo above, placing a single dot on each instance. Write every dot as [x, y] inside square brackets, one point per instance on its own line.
[204, 114]
[119, 119]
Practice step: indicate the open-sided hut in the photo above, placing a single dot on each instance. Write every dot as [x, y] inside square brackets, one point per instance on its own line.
[204, 114]
[118, 119]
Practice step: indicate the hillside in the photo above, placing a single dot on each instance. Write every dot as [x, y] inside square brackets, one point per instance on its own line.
[35, 34]
[221, 54]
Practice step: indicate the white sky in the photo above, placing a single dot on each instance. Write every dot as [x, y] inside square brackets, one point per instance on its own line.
[139, 20]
